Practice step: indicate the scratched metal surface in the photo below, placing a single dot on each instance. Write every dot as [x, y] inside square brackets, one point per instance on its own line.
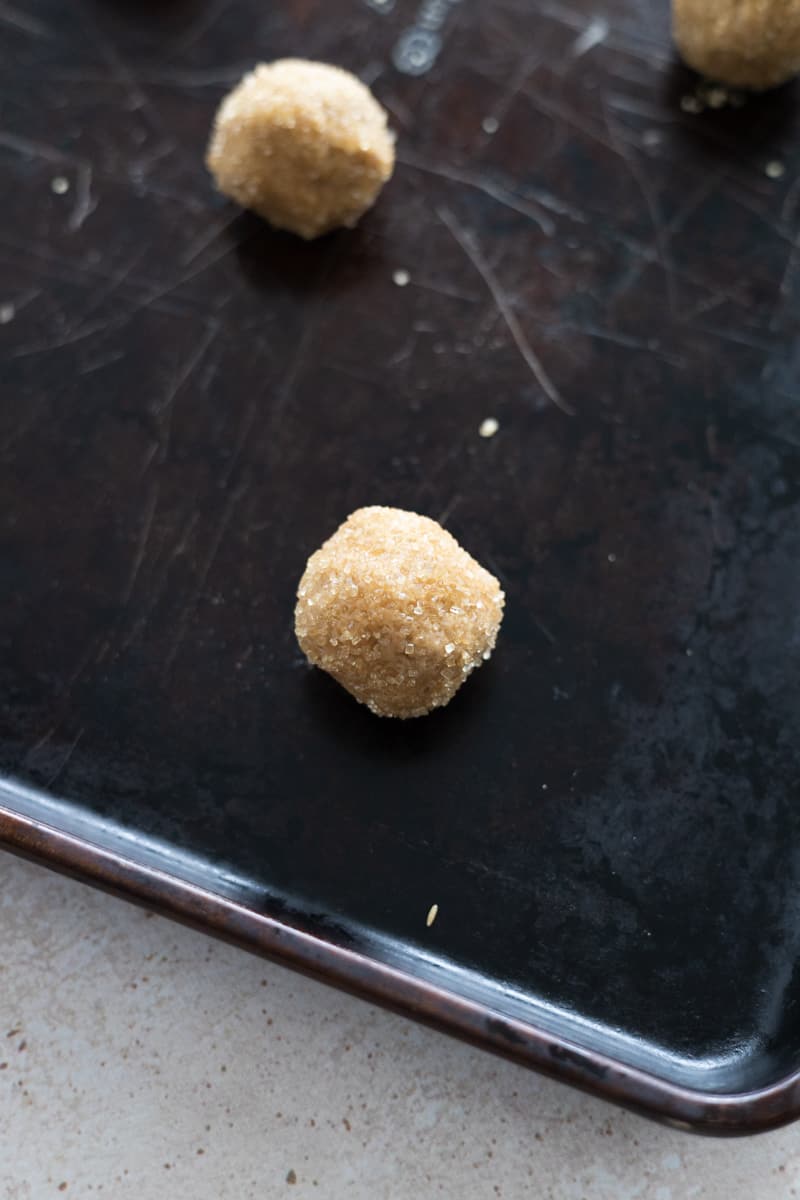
[606, 815]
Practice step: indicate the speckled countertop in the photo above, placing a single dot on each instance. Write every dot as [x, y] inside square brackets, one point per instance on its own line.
[141, 1060]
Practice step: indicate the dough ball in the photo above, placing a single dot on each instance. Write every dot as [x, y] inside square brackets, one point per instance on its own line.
[743, 43]
[396, 611]
[303, 144]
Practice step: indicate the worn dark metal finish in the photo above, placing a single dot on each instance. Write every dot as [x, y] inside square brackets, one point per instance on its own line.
[606, 815]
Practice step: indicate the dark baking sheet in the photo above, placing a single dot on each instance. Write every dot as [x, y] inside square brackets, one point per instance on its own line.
[606, 816]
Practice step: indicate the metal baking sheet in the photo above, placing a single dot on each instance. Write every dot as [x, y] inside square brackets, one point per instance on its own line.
[607, 814]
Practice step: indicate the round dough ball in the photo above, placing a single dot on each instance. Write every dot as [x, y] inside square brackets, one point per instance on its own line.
[743, 43]
[303, 144]
[396, 611]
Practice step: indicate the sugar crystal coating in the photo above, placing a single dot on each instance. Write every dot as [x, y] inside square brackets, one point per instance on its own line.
[303, 144]
[396, 611]
[743, 43]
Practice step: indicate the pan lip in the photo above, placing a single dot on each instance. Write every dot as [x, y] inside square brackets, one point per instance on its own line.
[720, 1113]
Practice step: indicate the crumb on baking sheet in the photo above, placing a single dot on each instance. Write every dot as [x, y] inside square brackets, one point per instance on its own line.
[713, 96]
[401, 278]
[59, 185]
[488, 427]
[433, 913]
[775, 169]
[7, 313]
[303, 144]
[397, 611]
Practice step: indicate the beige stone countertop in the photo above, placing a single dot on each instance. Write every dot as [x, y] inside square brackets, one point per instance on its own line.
[142, 1061]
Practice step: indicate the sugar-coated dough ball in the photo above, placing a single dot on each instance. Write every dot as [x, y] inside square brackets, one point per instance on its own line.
[303, 144]
[743, 43]
[396, 611]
